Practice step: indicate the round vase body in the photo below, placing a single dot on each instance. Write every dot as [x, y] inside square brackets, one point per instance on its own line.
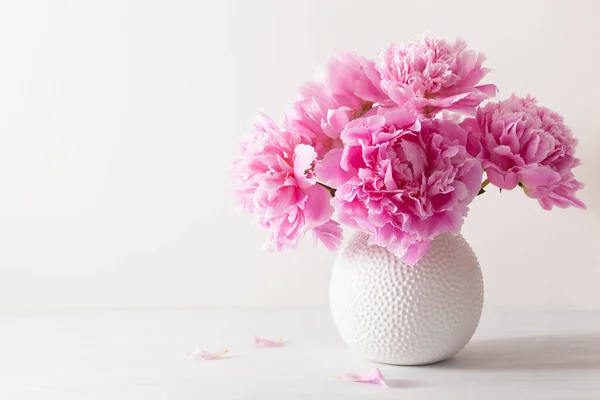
[399, 314]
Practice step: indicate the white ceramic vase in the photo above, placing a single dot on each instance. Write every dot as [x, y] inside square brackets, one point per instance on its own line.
[394, 313]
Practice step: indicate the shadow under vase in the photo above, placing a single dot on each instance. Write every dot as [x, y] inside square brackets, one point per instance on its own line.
[530, 353]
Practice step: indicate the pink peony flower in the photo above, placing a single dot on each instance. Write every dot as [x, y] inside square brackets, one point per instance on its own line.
[349, 88]
[317, 125]
[391, 143]
[353, 80]
[274, 180]
[432, 75]
[402, 180]
[520, 142]
[330, 234]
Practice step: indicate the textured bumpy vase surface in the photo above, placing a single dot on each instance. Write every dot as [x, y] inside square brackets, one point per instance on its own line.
[394, 313]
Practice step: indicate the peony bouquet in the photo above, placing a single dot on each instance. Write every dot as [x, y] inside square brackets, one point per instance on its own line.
[398, 149]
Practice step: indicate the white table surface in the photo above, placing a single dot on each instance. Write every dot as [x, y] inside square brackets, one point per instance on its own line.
[141, 354]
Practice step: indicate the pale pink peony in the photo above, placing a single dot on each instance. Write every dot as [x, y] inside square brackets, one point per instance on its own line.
[348, 89]
[330, 234]
[520, 142]
[402, 180]
[396, 144]
[353, 80]
[432, 75]
[316, 124]
[274, 180]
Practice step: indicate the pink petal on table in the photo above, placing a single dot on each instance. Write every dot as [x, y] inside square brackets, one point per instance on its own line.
[374, 376]
[199, 354]
[260, 342]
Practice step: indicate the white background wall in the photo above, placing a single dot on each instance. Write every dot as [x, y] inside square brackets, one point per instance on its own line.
[118, 120]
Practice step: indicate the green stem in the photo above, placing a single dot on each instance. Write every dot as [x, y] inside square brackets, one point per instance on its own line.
[331, 190]
[483, 185]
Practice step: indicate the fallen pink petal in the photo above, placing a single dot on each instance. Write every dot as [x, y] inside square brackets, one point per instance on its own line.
[374, 376]
[199, 354]
[268, 343]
